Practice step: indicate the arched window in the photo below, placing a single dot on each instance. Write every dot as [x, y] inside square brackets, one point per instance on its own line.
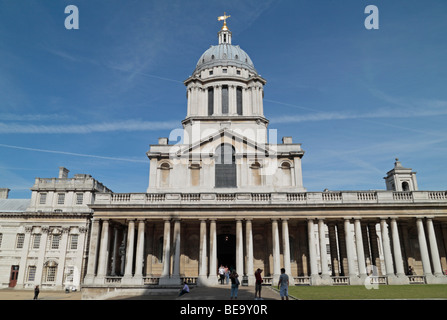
[239, 100]
[165, 170]
[286, 174]
[225, 169]
[210, 101]
[224, 99]
[256, 173]
[405, 186]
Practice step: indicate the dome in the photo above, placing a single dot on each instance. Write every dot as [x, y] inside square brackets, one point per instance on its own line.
[225, 54]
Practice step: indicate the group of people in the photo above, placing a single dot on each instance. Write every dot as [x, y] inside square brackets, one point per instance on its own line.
[225, 273]
[283, 283]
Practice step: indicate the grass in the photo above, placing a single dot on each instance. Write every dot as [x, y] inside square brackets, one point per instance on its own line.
[434, 291]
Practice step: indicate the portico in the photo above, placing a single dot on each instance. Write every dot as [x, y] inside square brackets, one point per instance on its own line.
[340, 244]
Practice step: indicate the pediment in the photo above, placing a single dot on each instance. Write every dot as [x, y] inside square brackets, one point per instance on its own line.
[242, 144]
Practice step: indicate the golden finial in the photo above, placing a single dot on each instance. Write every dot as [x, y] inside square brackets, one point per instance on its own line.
[224, 18]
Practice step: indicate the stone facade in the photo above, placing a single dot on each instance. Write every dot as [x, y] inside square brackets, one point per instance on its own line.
[227, 194]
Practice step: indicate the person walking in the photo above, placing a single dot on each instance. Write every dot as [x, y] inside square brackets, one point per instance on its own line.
[234, 284]
[36, 292]
[283, 285]
[258, 284]
[221, 274]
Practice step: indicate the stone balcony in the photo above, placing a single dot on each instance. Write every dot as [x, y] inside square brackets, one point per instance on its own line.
[279, 198]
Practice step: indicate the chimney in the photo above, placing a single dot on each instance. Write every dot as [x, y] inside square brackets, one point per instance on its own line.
[163, 141]
[286, 140]
[4, 193]
[63, 173]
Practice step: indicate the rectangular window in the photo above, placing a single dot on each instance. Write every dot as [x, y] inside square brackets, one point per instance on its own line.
[60, 198]
[224, 70]
[210, 101]
[36, 241]
[43, 198]
[55, 241]
[69, 274]
[74, 242]
[224, 99]
[20, 240]
[79, 198]
[31, 273]
[1, 238]
[239, 100]
[51, 274]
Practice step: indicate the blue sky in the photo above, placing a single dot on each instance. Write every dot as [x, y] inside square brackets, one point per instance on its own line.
[94, 99]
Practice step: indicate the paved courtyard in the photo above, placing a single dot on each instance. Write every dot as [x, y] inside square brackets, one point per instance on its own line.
[197, 293]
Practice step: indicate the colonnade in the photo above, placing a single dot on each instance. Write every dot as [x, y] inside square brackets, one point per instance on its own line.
[353, 253]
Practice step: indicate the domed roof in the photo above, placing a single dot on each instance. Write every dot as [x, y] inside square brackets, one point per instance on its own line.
[225, 54]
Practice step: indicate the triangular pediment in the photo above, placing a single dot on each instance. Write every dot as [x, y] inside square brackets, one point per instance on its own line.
[241, 143]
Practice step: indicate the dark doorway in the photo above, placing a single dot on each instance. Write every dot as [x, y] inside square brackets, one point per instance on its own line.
[226, 250]
[13, 277]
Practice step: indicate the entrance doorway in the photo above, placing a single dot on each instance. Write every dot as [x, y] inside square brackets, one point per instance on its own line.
[13, 277]
[226, 250]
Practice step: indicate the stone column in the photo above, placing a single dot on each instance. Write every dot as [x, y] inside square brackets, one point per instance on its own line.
[387, 250]
[202, 253]
[375, 256]
[315, 278]
[239, 248]
[360, 249]
[128, 269]
[286, 248]
[275, 249]
[91, 262]
[166, 249]
[423, 247]
[41, 255]
[325, 276]
[334, 251]
[139, 261]
[103, 252]
[24, 256]
[176, 267]
[213, 253]
[114, 250]
[350, 252]
[62, 254]
[434, 249]
[398, 253]
[249, 241]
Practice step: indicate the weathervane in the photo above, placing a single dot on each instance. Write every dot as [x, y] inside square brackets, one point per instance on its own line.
[224, 18]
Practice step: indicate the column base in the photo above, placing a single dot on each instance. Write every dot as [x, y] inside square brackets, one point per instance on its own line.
[432, 279]
[89, 279]
[252, 280]
[355, 280]
[398, 279]
[170, 281]
[323, 280]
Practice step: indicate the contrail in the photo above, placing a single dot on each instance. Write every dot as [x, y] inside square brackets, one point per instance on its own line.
[72, 154]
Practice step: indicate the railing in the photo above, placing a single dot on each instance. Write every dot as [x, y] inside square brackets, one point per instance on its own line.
[285, 198]
[189, 280]
[302, 281]
[378, 279]
[417, 279]
[340, 281]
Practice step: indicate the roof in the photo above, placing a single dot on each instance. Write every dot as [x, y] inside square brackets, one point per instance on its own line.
[14, 205]
[225, 54]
